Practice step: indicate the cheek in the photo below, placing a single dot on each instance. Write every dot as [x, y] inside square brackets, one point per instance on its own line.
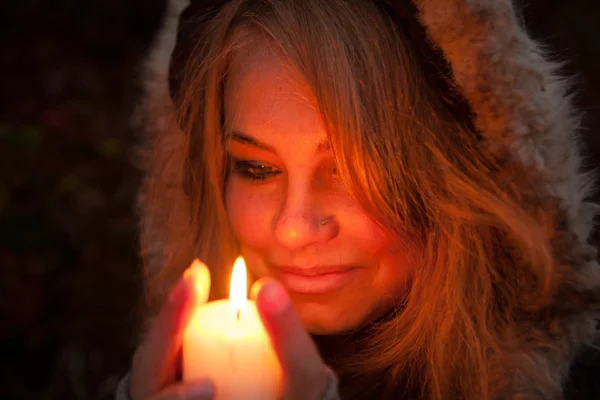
[395, 258]
[395, 274]
[398, 262]
[251, 212]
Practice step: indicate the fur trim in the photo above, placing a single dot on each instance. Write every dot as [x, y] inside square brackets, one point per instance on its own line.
[522, 109]
[162, 139]
[520, 102]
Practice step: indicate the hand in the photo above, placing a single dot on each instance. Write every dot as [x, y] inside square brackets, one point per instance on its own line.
[306, 377]
[153, 368]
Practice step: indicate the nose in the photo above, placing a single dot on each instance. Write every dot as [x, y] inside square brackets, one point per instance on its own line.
[302, 221]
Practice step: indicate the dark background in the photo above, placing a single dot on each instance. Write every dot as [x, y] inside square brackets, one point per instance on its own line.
[69, 277]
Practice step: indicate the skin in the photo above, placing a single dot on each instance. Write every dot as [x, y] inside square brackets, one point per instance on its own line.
[276, 219]
[153, 366]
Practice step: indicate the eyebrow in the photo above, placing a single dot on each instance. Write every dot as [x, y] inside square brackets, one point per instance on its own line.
[252, 141]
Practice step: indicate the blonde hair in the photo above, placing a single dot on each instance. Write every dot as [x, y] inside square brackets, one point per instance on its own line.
[404, 145]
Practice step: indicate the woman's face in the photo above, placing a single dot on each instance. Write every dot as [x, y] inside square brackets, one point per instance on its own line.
[291, 215]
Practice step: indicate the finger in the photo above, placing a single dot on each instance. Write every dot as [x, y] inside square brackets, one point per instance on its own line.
[154, 360]
[305, 373]
[199, 275]
[199, 390]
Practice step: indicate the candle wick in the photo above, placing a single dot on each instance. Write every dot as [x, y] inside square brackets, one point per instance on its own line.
[237, 314]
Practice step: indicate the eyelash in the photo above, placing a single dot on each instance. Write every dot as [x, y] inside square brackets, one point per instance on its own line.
[247, 169]
[254, 171]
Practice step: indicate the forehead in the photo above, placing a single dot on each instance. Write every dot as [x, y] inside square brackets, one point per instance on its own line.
[265, 95]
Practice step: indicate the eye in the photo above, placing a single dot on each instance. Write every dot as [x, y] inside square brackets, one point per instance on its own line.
[254, 170]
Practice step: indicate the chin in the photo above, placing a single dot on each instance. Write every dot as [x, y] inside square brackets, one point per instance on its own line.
[321, 317]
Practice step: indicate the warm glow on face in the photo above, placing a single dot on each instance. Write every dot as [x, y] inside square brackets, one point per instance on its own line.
[277, 195]
[238, 289]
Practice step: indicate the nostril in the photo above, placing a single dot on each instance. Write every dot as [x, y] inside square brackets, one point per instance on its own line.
[300, 230]
[296, 231]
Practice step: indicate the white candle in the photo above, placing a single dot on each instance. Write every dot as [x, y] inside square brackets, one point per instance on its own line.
[227, 342]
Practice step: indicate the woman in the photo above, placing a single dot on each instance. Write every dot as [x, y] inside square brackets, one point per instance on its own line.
[402, 177]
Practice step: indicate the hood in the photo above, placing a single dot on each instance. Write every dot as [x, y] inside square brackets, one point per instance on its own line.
[520, 104]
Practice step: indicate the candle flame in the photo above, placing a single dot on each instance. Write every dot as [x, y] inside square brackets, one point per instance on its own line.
[238, 289]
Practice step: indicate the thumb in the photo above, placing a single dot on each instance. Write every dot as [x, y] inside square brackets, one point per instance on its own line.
[305, 373]
[153, 363]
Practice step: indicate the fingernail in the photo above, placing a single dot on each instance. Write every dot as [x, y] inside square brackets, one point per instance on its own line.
[194, 269]
[200, 391]
[275, 297]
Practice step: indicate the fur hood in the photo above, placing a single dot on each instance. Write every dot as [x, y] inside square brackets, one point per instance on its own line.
[520, 104]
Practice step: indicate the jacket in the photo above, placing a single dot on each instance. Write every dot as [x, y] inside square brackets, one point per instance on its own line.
[521, 105]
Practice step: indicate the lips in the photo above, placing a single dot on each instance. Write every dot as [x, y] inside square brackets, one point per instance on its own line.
[315, 280]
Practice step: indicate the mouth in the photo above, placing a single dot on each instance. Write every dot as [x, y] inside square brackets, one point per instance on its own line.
[315, 280]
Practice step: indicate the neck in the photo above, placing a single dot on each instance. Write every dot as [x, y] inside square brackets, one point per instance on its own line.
[342, 353]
